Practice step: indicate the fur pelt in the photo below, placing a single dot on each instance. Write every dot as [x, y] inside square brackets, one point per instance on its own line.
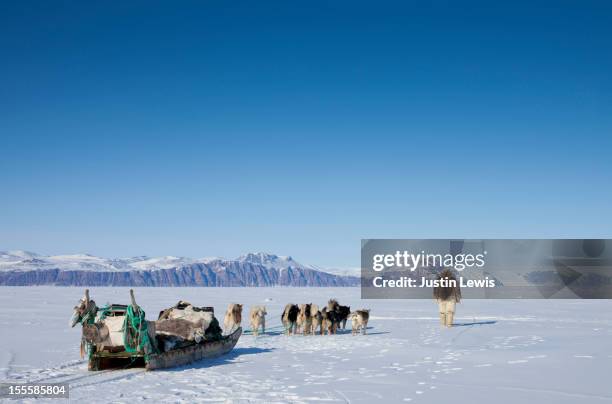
[95, 333]
[108, 333]
[446, 293]
[186, 311]
[182, 308]
[85, 308]
[181, 328]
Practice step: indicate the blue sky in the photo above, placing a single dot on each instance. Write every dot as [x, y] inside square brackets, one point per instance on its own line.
[218, 128]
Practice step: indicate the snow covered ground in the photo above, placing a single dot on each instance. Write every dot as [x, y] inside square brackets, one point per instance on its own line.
[512, 351]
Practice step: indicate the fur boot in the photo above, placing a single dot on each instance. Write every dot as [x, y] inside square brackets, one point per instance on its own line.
[450, 315]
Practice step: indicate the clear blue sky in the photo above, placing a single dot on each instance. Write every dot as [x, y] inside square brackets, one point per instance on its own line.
[217, 128]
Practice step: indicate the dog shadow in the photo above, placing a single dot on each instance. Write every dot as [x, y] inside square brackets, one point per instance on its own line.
[222, 360]
[271, 333]
[338, 332]
[376, 333]
[474, 323]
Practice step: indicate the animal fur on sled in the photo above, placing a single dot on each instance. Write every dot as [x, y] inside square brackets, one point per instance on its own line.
[85, 310]
[108, 333]
[181, 328]
[185, 322]
[201, 317]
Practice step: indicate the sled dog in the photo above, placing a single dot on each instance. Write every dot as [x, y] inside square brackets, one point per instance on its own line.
[258, 319]
[360, 318]
[233, 317]
[289, 318]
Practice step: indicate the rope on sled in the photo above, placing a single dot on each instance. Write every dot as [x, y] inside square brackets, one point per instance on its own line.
[136, 332]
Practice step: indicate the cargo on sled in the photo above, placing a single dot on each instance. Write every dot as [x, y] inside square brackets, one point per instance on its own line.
[119, 336]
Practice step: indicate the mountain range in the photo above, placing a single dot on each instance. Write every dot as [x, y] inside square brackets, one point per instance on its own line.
[24, 268]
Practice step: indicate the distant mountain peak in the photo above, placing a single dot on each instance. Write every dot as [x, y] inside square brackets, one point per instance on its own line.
[251, 269]
[259, 256]
[19, 254]
[280, 262]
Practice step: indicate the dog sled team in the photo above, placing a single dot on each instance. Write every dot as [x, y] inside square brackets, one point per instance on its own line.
[184, 324]
[308, 319]
[105, 329]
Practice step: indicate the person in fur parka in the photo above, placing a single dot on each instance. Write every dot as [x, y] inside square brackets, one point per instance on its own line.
[447, 294]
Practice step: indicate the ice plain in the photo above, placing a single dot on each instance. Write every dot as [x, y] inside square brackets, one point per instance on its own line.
[503, 351]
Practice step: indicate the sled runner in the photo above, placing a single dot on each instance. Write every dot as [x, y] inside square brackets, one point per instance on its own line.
[193, 353]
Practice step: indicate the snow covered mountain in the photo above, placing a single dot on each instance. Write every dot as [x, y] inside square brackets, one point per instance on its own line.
[253, 269]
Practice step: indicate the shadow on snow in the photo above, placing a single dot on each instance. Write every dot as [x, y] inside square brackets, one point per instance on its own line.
[474, 323]
[222, 360]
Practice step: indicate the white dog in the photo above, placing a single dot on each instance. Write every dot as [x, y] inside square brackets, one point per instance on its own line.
[258, 319]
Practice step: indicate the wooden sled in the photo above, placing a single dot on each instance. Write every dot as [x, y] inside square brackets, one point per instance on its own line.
[176, 357]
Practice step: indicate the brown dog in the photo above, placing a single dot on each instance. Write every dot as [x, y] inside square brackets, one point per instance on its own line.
[304, 320]
[360, 319]
[233, 317]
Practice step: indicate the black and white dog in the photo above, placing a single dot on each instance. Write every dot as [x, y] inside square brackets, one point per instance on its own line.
[289, 318]
[341, 313]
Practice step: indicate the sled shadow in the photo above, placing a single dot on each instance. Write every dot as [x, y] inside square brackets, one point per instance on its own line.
[474, 323]
[222, 360]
